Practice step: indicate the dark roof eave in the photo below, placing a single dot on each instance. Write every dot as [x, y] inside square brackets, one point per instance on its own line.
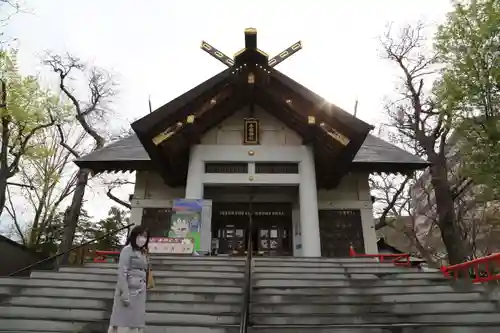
[166, 111]
[145, 165]
[344, 116]
[375, 154]
[390, 167]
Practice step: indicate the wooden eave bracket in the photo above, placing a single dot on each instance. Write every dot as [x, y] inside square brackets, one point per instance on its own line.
[336, 135]
[170, 131]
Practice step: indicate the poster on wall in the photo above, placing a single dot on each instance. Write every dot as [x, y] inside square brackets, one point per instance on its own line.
[184, 236]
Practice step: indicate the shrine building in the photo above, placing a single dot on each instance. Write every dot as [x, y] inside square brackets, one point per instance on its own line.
[251, 140]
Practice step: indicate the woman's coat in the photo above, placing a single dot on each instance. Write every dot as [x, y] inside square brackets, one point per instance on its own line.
[131, 289]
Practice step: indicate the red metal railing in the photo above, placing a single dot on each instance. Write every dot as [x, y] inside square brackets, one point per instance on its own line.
[402, 259]
[105, 256]
[481, 269]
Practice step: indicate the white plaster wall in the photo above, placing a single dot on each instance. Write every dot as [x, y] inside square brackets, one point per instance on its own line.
[272, 131]
[150, 191]
[297, 234]
[348, 189]
[150, 185]
[352, 193]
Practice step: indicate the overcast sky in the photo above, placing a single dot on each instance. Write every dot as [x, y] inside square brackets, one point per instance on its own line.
[153, 46]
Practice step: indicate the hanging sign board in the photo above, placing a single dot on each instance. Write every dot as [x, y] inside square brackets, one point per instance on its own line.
[251, 131]
[169, 245]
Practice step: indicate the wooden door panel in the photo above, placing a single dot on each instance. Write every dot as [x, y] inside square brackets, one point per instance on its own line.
[271, 227]
[338, 230]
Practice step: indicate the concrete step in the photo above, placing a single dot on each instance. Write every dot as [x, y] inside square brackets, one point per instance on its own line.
[159, 279]
[277, 329]
[371, 329]
[316, 260]
[58, 302]
[325, 265]
[200, 267]
[164, 273]
[206, 262]
[366, 299]
[156, 318]
[175, 286]
[327, 269]
[492, 319]
[423, 277]
[37, 325]
[367, 290]
[192, 307]
[45, 313]
[152, 295]
[192, 329]
[360, 283]
[162, 267]
[50, 326]
[384, 308]
[102, 304]
[197, 258]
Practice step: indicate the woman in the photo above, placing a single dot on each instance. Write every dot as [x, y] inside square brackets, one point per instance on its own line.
[129, 306]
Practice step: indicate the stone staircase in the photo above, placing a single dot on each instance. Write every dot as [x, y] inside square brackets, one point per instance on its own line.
[192, 295]
[361, 295]
[289, 295]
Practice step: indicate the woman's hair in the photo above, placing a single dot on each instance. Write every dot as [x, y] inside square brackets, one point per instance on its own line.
[136, 231]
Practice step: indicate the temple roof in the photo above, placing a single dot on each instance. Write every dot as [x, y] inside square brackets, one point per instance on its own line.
[375, 155]
[165, 136]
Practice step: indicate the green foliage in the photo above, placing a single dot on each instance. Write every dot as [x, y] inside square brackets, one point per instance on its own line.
[29, 109]
[116, 219]
[469, 46]
[87, 229]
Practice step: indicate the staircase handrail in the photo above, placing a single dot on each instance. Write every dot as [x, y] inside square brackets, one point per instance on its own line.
[398, 259]
[245, 306]
[486, 275]
[99, 254]
[57, 255]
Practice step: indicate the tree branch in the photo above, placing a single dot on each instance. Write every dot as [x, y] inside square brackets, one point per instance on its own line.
[391, 204]
[62, 142]
[118, 200]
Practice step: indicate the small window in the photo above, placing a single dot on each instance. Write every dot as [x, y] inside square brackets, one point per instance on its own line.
[272, 168]
[226, 167]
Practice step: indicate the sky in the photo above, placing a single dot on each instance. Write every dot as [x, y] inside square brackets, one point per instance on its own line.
[153, 46]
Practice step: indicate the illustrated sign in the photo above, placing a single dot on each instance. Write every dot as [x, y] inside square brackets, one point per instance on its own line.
[251, 131]
[184, 234]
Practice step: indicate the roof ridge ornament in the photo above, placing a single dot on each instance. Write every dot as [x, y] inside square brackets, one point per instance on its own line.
[251, 44]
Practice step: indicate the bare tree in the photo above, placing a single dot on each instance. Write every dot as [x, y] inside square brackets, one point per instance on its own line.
[394, 205]
[419, 117]
[87, 113]
[9, 7]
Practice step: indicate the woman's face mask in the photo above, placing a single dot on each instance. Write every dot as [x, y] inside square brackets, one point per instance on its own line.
[140, 241]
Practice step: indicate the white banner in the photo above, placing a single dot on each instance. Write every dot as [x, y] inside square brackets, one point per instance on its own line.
[169, 245]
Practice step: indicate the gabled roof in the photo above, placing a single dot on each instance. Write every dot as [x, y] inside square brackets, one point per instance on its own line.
[375, 155]
[168, 133]
[164, 137]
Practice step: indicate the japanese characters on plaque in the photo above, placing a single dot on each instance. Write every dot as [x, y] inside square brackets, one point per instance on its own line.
[251, 135]
[245, 213]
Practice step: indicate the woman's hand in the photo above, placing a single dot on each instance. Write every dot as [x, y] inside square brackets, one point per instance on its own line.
[125, 300]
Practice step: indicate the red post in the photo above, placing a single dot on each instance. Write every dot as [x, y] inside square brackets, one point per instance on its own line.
[352, 252]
